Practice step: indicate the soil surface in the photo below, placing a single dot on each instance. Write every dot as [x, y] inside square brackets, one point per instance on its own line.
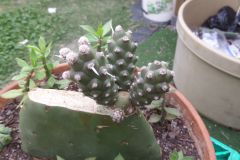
[170, 134]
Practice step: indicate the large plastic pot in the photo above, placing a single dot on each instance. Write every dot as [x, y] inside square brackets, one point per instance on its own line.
[207, 77]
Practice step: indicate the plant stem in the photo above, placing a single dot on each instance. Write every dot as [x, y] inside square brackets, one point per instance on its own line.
[47, 71]
[163, 112]
[99, 47]
[26, 86]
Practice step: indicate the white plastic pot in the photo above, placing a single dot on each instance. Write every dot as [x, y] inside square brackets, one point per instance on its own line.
[158, 10]
[208, 78]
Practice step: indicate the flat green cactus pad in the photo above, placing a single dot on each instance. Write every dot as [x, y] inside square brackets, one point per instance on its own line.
[64, 123]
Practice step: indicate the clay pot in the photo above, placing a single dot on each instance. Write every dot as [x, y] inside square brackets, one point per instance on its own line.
[192, 119]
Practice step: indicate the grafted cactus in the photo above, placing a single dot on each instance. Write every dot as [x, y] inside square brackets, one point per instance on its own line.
[103, 128]
[151, 83]
[121, 55]
[90, 70]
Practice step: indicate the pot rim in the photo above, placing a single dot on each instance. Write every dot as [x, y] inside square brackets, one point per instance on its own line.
[217, 58]
[201, 134]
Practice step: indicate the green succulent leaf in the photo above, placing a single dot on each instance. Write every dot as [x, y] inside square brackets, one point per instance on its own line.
[27, 69]
[42, 44]
[40, 75]
[155, 104]
[51, 81]
[4, 129]
[91, 37]
[107, 27]
[100, 30]
[21, 62]
[32, 84]
[179, 156]
[12, 94]
[20, 76]
[154, 118]
[173, 111]
[62, 84]
[89, 29]
[34, 48]
[33, 57]
[119, 157]
[4, 140]
[48, 50]
[50, 66]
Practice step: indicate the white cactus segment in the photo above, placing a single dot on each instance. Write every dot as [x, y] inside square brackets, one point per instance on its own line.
[83, 40]
[63, 52]
[71, 57]
[66, 75]
[84, 49]
[118, 28]
[146, 102]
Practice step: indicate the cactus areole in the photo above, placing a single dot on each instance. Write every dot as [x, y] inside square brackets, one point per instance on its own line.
[105, 120]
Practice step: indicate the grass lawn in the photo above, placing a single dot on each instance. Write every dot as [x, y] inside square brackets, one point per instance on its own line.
[28, 19]
[160, 46]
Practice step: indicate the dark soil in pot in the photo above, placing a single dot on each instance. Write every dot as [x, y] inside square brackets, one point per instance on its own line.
[171, 135]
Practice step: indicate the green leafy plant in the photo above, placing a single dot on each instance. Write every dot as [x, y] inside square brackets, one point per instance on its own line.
[5, 136]
[100, 36]
[163, 112]
[179, 156]
[38, 69]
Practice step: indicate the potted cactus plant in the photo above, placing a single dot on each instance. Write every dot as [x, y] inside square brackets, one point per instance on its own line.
[103, 119]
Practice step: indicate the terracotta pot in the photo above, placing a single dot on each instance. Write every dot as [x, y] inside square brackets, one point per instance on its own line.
[192, 119]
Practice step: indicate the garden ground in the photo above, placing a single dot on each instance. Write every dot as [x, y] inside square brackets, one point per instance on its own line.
[28, 19]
